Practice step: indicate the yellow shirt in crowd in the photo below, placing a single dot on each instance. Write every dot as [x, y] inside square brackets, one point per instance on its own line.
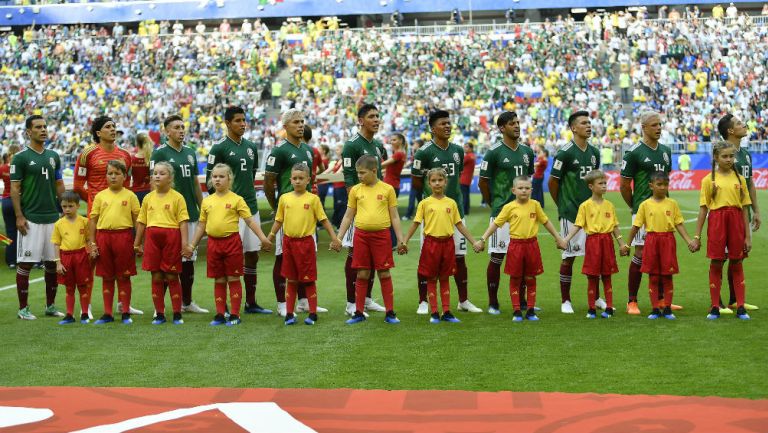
[523, 218]
[221, 214]
[658, 216]
[596, 218]
[167, 211]
[70, 235]
[440, 216]
[731, 191]
[372, 204]
[115, 209]
[299, 214]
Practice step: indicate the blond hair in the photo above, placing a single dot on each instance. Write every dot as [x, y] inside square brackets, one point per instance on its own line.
[221, 166]
[168, 167]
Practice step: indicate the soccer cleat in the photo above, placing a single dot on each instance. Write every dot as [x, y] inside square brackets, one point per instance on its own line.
[301, 307]
[676, 307]
[84, 318]
[159, 319]
[255, 309]
[668, 313]
[357, 318]
[193, 308]
[371, 305]
[391, 318]
[633, 309]
[517, 316]
[434, 318]
[177, 320]
[600, 303]
[469, 307]
[234, 320]
[423, 308]
[282, 310]
[67, 320]
[126, 319]
[725, 310]
[25, 314]
[104, 319]
[494, 310]
[566, 307]
[531, 315]
[90, 313]
[350, 310]
[52, 311]
[741, 313]
[290, 319]
[655, 314]
[218, 320]
[448, 317]
[591, 314]
[714, 313]
[748, 307]
[311, 319]
[130, 309]
[321, 310]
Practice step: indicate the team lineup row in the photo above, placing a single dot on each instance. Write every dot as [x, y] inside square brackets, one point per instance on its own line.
[171, 220]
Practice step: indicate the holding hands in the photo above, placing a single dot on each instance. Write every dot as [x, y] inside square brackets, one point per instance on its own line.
[402, 248]
[479, 246]
[335, 245]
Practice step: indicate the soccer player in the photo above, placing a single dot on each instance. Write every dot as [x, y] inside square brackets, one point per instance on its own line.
[502, 163]
[91, 165]
[163, 217]
[646, 157]
[569, 190]
[220, 216]
[372, 208]
[725, 201]
[597, 216]
[661, 217]
[733, 130]
[440, 152]
[241, 155]
[111, 224]
[183, 160]
[363, 143]
[291, 151]
[300, 211]
[35, 186]
[438, 260]
[523, 255]
[70, 238]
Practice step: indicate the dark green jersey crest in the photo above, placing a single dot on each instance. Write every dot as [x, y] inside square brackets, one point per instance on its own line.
[501, 165]
[570, 166]
[451, 159]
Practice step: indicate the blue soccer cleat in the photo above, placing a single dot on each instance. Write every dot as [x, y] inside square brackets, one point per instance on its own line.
[357, 318]
[494, 310]
[177, 320]
[591, 314]
[392, 320]
[218, 320]
[448, 317]
[159, 319]
[290, 319]
[714, 313]
[234, 320]
[741, 313]
[434, 318]
[67, 320]
[104, 319]
[256, 309]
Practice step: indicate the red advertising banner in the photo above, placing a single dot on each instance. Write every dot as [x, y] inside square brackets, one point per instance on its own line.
[690, 180]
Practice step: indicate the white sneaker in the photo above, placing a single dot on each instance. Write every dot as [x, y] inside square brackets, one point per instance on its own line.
[350, 310]
[494, 311]
[423, 308]
[600, 303]
[371, 305]
[193, 308]
[321, 309]
[468, 306]
[566, 308]
[282, 309]
[301, 307]
[130, 309]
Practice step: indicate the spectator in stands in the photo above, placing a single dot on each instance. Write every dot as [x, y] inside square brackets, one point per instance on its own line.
[539, 167]
[467, 174]
[607, 157]
[684, 161]
[732, 12]
[414, 197]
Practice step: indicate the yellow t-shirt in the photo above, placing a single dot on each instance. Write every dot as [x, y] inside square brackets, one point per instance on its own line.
[523, 218]
[440, 216]
[222, 213]
[115, 209]
[658, 216]
[730, 191]
[70, 235]
[596, 218]
[299, 214]
[167, 211]
[372, 204]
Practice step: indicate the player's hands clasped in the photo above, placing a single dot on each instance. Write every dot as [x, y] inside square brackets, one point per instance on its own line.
[479, 246]
[335, 245]
[187, 251]
[266, 246]
[624, 250]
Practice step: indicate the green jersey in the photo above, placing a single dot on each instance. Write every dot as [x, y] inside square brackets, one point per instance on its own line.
[743, 164]
[282, 158]
[38, 174]
[185, 172]
[501, 165]
[353, 150]
[570, 166]
[451, 159]
[243, 159]
[640, 161]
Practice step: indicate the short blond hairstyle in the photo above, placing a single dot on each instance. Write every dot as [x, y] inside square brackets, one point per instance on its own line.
[291, 115]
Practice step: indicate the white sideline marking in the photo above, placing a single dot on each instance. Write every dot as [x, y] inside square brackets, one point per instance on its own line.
[12, 286]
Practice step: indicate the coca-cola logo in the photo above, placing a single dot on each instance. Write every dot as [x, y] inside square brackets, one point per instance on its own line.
[760, 178]
[681, 181]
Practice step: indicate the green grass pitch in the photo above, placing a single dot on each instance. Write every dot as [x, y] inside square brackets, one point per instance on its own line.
[625, 355]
